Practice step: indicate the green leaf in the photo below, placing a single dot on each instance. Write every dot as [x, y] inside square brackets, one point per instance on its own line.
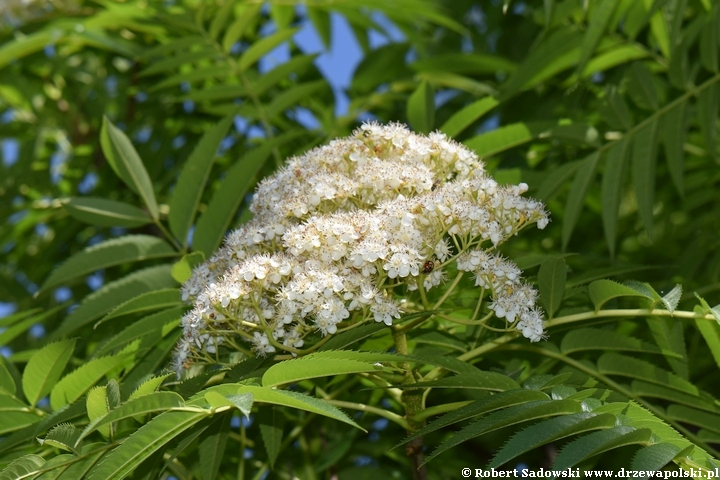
[464, 63]
[322, 23]
[211, 447]
[296, 65]
[34, 425]
[545, 432]
[602, 273]
[298, 401]
[352, 336]
[213, 224]
[44, 369]
[149, 386]
[22, 467]
[455, 82]
[125, 161]
[145, 302]
[438, 338]
[116, 251]
[659, 28]
[75, 384]
[669, 336]
[292, 96]
[598, 23]
[90, 455]
[220, 18]
[582, 339]
[551, 282]
[272, 421]
[386, 64]
[7, 382]
[501, 139]
[598, 442]
[673, 137]
[182, 58]
[707, 108]
[62, 436]
[183, 44]
[644, 160]
[150, 325]
[336, 452]
[672, 298]
[421, 108]
[553, 181]
[478, 380]
[220, 92]
[484, 405]
[136, 407]
[612, 57]
[557, 51]
[116, 293]
[183, 268]
[612, 188]
[467, 116]
[614, 109]
[623, 365]
[242, 402]
[23, 46]
[247, 14]
[106, 213]
[12, 332]
[654, 457]
[576, 197]
[17, 317]
[263, 46]
[151, 437]
[282, 15]
[710, 330]
[97, 406]
[193, 177]
[693, 416]
[709, 38]
[11, 404]
[642, 87]
[295, 370]
[198, 75]
[642, 389]
[15, 417]
[602, 291]
[509, 416]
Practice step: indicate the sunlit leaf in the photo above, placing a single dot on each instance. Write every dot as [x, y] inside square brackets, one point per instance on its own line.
[116, 251]
[44, 369]
[125, 161]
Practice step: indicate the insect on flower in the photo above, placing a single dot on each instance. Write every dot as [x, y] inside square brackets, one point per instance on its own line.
[428, 266]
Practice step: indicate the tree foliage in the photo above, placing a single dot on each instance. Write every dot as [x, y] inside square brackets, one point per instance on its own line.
[142, 127]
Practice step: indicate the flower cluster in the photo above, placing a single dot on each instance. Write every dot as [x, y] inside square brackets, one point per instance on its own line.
[339, 231]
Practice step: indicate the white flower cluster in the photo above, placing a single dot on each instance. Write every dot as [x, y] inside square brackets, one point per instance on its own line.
[340, 229]
[513, 299]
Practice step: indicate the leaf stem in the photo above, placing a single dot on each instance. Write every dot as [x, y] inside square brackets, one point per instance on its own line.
[438, 409]
[393, 417]
[413, 401]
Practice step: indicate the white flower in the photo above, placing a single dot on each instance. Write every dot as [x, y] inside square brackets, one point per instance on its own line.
[332, 226]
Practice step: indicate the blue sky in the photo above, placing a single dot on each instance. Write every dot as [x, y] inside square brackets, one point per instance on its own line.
[338, 64]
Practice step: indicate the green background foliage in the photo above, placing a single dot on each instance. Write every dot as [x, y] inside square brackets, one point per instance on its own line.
[142, 127]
